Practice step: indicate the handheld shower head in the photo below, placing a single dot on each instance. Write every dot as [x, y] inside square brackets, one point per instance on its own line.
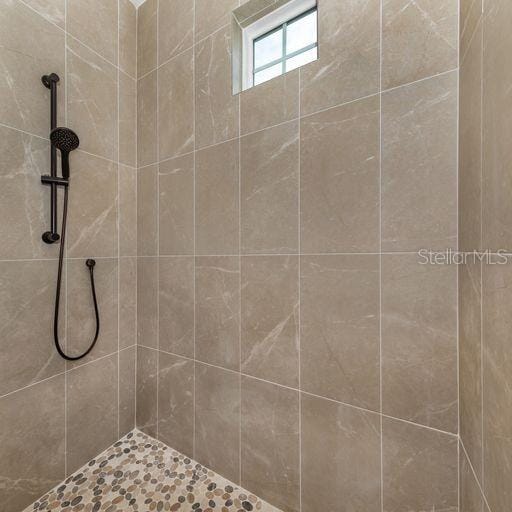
[65, 140]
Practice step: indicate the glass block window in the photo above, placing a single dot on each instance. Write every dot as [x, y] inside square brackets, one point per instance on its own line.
[286, 47]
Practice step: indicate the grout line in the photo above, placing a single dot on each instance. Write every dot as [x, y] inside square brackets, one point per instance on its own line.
[240, 285]
[65, 262]
[157, 227]
[299, 271]
[194, 228]
[118, 210]
[135, 227]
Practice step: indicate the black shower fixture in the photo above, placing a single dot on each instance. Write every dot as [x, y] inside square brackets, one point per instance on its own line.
[64, 140]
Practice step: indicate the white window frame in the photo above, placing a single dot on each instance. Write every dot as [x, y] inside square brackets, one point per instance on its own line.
[266, 24]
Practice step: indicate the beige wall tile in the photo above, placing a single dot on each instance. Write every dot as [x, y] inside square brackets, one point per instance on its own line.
[217, 413]
[92, 224]
[127, 302]
[127, 211]
[340, 457]
[270, 103]
[147, 211]
[470, 17]
[25, 204]
[419, 166]
[176, 106]
[147, 302]
[419, 320]
[128, 38]
[497, 128]
[218, 311]
[92, 410]
[175, 28]
[419, 39]
[147, 120]
[349, 55]
[270, 190]
[127, 389]
[52, 10]
[497, 368]
[127, 120]
[176, 205]
[217, 204]
[92, 100]
[340, 179]
[147, 37]
[30, 47]
[470, 361]
[81, 324]
[420, 468]
[471, 499]
[270, 443]
[32, 439]
[147, 382]
[176, 403]
[270, 318]
[210, 16]
[216, 109]
[26, 326]
[176, 296]
[340, 328]
[94, 23]
[470, 147]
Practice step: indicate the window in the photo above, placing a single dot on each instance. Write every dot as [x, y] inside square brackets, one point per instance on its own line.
[270, 38]
[286, 47]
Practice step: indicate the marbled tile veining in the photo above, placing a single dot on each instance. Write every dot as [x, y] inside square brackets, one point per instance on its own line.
[138, 473]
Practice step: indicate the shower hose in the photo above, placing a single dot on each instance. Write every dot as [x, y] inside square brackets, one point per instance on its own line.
[90, 265]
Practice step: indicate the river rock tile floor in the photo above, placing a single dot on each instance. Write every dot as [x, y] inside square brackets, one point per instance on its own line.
[141, 474]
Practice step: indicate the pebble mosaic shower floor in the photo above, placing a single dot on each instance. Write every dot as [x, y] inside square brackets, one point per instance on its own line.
[141, 474]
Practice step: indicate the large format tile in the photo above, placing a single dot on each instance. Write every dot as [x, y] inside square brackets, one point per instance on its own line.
[147, 211]
[147, 142]
[127, 120]
[27, 292]
[92, 100]
[175, 28]
[218, 311]
[176, 106]
[147, 37]
[270, 103]
[92, 210]
[340, 457]
[420, 468]
[127, 211]
[94, 23]
[270, 443]
[470, 147]
[349, 55]
[147, 302]
[176, 306]
[471, 499]
[470, 16]
[176, 402]
[340, 179]
[217, 199]
[81, 320]
[176, 205]
[127, 390]
[92, 410]
[419, 39]
[147, 385]
[340, 328]
[210, 16]
[419, 341]
[419, 166]
[216, 107]
[470, 361]
[497, 396]
[127, 302]
[32, 440]
[270, 318]
[52, 10]
[25, 205]
[30, 47]
[269, 163]
[128, 38]
[217, 420]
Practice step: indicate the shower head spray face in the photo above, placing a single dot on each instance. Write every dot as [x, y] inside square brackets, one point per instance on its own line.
[65, 140]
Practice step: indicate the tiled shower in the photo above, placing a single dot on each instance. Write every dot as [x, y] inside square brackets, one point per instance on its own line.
[264, 309]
